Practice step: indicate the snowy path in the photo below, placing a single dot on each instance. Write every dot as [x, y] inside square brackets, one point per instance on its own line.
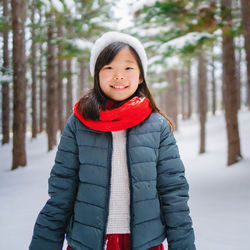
[220, 195]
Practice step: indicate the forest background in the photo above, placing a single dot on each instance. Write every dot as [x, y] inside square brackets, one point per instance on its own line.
[199, 65]
[199, 61]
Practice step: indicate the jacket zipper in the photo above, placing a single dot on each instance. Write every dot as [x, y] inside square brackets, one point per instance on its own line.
[131, 192]
[108, 191]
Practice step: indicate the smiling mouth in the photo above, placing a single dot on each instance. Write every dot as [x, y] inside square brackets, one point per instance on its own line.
[118, 87]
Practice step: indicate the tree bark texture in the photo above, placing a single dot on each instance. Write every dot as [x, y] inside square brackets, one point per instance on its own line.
[183, 95]
[238, 72]
[171, 97]
[230, 83]
[41, 90]
[19, 83]
[189, 91]
[60, 70]
[33, 70]
[5, 85]
[83, 78]
[69, 101]
[41, 82]
[51, 118]
[213, 82]
[245, 7]
[202, 100]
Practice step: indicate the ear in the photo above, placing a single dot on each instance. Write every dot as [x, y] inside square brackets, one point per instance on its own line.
[140, 80]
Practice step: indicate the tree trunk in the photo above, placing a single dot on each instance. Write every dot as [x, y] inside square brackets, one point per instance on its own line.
[5, 85]
[238, 71]
[80, 79]
[51, 86]
[202, 99]
[171, 97]
[213, 82]
[60, 80]
[230, 83]
[189, 91]
[183, 99]
[41, 90]
[69, 101]
[19, 70]
[83, 79]
[223, 91]
[41, 81]
[69, 88]
[245, 8]
[33, 70]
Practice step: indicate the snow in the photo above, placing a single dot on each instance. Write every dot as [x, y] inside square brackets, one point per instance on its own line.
[160, 85]
[57, 4]
[219, 195]
[121, 12]
[139, 4]
[5, 78]
[82, 44]
[155, 30]
[46, 3]
[157, 68]
[159, 63]
[69, 3]
[180, 42]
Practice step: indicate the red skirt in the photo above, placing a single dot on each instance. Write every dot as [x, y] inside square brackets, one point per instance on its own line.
[120, 242]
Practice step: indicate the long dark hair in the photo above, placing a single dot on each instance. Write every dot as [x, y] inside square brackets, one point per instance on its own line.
[89, 105]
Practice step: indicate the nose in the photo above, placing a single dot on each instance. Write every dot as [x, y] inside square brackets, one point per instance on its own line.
[118, 76]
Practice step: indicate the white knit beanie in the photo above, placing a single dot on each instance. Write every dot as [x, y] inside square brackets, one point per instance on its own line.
[111, 37]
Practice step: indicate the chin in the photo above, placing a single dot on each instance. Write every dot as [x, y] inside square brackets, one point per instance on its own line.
[118, 99]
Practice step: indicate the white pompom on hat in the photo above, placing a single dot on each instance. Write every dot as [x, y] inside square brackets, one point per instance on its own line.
[111, 37]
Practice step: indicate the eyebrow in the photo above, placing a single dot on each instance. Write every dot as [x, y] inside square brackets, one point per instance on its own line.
[129, 61]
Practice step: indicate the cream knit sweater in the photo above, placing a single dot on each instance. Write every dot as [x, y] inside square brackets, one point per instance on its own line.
[119, 203]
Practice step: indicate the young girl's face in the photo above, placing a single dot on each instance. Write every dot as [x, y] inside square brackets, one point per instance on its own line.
[120, 78]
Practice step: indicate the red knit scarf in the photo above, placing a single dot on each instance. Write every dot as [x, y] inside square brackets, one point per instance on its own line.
[130, 114]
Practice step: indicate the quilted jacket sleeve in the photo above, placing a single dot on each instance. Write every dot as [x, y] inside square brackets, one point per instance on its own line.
[173, 191]
[50, 226]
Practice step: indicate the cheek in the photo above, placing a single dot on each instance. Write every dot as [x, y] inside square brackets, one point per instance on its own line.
[104, 76]
[134, 76]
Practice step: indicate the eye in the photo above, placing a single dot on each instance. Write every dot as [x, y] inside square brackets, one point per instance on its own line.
[108, 67]
[128, 68]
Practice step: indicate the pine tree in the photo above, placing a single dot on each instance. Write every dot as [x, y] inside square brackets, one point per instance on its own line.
[51, 94]
[33, 60]
[18, 8]
[230, 84]
[245, 7]
[202, 99]
[6, 82]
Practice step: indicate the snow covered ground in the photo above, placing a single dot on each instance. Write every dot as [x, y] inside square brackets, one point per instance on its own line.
[219, 195]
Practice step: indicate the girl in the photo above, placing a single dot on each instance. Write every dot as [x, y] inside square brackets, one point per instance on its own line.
[118, 182]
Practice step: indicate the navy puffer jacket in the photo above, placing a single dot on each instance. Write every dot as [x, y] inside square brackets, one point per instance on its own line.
[79, 187]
